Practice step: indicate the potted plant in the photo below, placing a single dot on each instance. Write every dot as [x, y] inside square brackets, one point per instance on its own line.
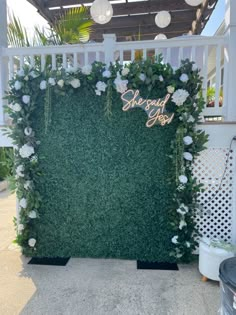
[211, 91]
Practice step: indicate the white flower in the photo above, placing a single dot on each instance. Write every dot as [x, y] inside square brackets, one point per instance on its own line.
[15, 107]
[121, 85]
[52, 81]
[183, 179]
[21, 73]
[125, 71]
[20, 228]
[180, 96]
[184, 77]
[161, 78]
[28, 131]
[26, 78]
[194, 67]
[17, 85]
[191, 119]
[98, 92]
[188, 244]
[188, 156]
[170, 89]
[26, 99]
[27, 184]
[23, 203]
[182, 224]
[182, 209]
[101, 86]
[106, 74]
[75, 83]
[87, 69]
[188, 140]
[32, 242]
[43, 85]
[26, 151]
[19, 170]
[60, 83]
[32, 214]
[174, 239]
[71, 69]
[142, 77]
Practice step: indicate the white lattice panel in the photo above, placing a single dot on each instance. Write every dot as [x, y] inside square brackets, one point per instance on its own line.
[216, 217]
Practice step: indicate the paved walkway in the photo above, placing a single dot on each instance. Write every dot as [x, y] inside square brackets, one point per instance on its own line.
[95, 286]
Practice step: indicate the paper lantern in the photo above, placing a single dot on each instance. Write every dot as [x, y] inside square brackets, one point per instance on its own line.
[193, 3]
[101, 11]
[163, 19]
[160, 36]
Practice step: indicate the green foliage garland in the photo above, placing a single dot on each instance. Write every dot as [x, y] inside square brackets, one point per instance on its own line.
[152, 77]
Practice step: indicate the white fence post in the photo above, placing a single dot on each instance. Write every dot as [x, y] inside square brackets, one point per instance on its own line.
[109, 47]
[3, 60]
[230, 61]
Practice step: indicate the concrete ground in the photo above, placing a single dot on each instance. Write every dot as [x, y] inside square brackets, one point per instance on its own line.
[95, 286]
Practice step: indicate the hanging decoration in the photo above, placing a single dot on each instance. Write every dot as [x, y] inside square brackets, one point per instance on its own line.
[193, 3]
[101, 11]
[163, 19]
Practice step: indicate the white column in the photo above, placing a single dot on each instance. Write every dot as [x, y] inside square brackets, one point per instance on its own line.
[3, 60]
[230, 60]
[109, 47]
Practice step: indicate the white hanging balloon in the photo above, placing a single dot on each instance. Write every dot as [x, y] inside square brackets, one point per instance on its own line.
[160, 36]
[101, 11]
[193, 3]
[163, 19]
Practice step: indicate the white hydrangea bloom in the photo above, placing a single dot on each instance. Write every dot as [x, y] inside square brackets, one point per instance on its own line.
[106, 74]
[19, 170]
[15, 107]
[188, 156]
[184, 78]
[32, 242]
[142, 77]
[75, 83]
[26, 151]
[52, 81]
[180, 96]
[101, 86]
[32, 214]
[182, 224]
[170, 89]
[86, 69]
[174, 239]
[99, 93]
[183, 179]
[26, 99]
[182, 209]
[17, 85]
[121, 85]
[60, 83]
[125, 71]
[188, 140]
[23, 203]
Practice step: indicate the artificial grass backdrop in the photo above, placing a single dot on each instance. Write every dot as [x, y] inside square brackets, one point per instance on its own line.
[107, 185]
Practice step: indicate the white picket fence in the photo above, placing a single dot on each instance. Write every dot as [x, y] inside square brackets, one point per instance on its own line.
[207, 52]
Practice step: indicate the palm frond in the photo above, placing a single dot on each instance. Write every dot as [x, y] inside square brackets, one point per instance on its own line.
[17, 34]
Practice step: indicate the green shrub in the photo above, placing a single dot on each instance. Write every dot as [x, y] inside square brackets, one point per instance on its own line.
[6, 162]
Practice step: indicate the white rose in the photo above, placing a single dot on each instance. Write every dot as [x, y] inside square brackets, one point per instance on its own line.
[28, 131]
[43, 85]
[106, 74]
[121, 85]
[188, 140]
[125, 71]
[26, 99]
[15, 107]
[20, 228]
[170, 89]
[27, 184]
[174, 239]
[60, 83]
[194, 67]
[142, 77]
[191, 119]
[87, 69]
[32, 242]
[101, 86]
[75, 83]
[180, 96]
[26, 151]
[19, 170]
[71, 70]
[98, 92]
[184, 77]
[26, 78]
[23, 203]
[182, 224]
[183, 179]
[161, 78]
[21, 73]
[182, 209]
[188, 244]
[188, 156]
[52, 81]
[32, 214]
[17, 85]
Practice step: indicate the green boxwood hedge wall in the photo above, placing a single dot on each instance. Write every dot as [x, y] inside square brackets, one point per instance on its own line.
[107, 184]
